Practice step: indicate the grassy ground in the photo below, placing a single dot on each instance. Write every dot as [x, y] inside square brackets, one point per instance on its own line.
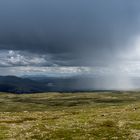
[70, 116]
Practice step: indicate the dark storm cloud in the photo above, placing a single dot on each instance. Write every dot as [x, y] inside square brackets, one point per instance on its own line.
[76, 32]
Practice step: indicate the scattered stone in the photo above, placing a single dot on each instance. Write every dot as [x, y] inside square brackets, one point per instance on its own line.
[135, 109]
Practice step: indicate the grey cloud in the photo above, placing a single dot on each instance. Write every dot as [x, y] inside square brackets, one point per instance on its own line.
[73, 33]
[20, 58]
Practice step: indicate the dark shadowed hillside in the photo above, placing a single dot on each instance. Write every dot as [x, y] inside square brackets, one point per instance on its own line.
[20, 85]
[34, 84]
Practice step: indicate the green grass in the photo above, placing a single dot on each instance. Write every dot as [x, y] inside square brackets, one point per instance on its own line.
[70, 116]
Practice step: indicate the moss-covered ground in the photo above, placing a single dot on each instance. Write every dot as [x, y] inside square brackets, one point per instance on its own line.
[70, 116]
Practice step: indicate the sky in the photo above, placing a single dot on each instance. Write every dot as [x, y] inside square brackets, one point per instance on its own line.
[61, 37]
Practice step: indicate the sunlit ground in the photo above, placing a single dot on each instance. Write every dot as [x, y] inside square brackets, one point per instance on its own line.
[70, 116]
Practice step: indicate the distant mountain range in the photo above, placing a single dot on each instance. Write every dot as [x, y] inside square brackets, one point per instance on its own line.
[34, 84]
[20, 85]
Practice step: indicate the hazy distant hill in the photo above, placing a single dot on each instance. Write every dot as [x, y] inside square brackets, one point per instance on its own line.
[30, 84]
[34, 84]
[75, 83]
[88, 82]
[20, 85]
